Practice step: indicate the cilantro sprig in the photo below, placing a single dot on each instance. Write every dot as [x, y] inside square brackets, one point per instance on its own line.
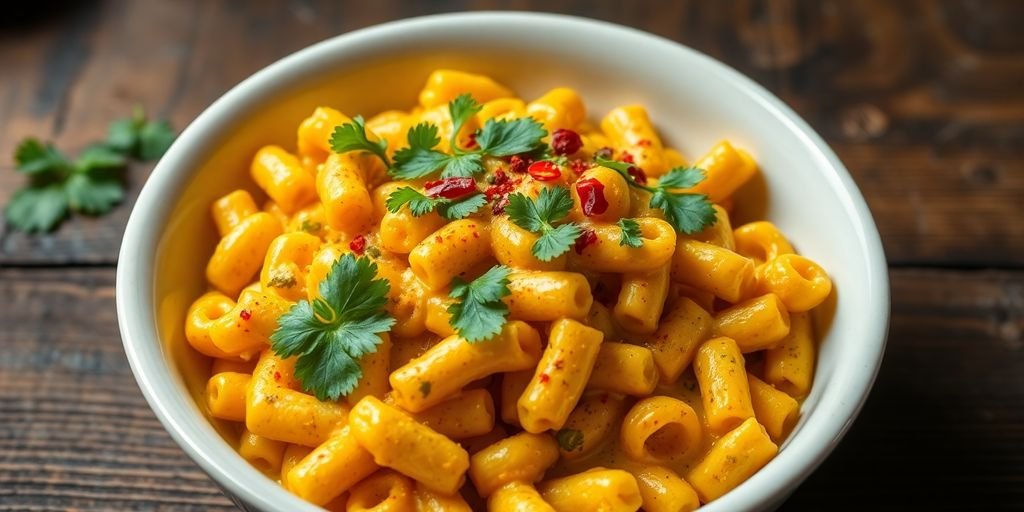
[631, 235]
[331, 334]
[687, 212]
[421, 204]
[421, 158]
[540, 216]
[478, 312]
[91, 184]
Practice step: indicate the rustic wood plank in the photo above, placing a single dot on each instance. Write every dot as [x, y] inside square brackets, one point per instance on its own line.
[921, 100]
[947, 412]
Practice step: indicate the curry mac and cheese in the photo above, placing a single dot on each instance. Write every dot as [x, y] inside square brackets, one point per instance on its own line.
[491, 303]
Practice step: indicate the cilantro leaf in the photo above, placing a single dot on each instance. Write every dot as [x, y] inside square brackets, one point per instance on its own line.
[631, 235]
[333, 332]
[419, 204]
[539, 217]
[93, 196]
[478, 313]
[98, 158]
[682, 177]
[461, 109]
[464, 165]
[155, 138]
[37, 209]
[569, 439]
[454, 210]
[688, 213]
[37, 159]
[352, 137]
[510, 137]
[139, 137]
[123, 135]
[419, 158]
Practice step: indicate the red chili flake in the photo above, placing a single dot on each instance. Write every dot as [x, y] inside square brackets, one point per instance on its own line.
[545, 170]
[592, 200]
[565, 142]
[277, 375]
[358, 244]
[499, 205]
[450, 188]
[518, 164]
[544, 378]
[605, 152]
[579, 166]
[472, 141]
[638, 174]
[245, 314]
[628, 157]
[587, 238]
[644, 143]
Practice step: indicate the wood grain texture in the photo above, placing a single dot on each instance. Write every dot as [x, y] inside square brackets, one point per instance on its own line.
[947, 411]
[921, 100]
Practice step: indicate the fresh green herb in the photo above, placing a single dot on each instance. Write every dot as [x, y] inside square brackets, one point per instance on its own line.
[540, 217]
[425, 388]
[281, 279]
[91, 184]
[421, 158]
[310, 226]
[420, 204]
[352, 137]
[687, 212]
[340, 326]
[569, 439]
[478, 313]
[631, 235]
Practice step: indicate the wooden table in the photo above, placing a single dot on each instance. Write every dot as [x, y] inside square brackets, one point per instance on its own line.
[924, 101]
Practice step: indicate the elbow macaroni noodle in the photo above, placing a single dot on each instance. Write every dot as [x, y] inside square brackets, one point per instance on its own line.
[619, 381]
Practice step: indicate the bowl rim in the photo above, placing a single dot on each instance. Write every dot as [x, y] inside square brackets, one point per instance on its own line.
[135, 294]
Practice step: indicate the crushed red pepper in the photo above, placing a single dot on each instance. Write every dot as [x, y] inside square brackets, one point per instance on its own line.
[450, 188]
[545, 170]
[245, 314]
[592, 200]
[587, 238]
[565, 142]
[358, 245]
[518, 164]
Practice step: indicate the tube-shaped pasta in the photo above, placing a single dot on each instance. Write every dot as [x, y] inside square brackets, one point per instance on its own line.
[513, 246]
[200, 318]
[408, 305]
[719, 233]
[548, 296]
[800, 283]
[320, 266]
[761, 241]
[263, 453]
[755, 324]
[376, 367]
[401, 231]
[600, 318]
[438, 320]
[269, 206]
[383, 491]
[281, 175]
[662, 490]
[246, 329]
[724, 390]
[733, 459]
[501, 108]
[343, 191]
[234, 365]
[632, 132]
[595, 419]
[444, 85]
[790, 365]
[523, 457]
[608, 255]
[612, 490]
[392, 126]
[513, 384]
[440, 116]
[560, 107]
[430, 501]
[517, 497]
[774, 410]
[330, 469]
[293, 454]
[673, 158]
[449, 251]
[239, 254]
[611, 187]
[286, 263]
[686, 325]
[660, 429]
[398, 441]
[312, 220]
[560, 377]
[230, 210]
[451, 364]
[314, 135]
[726, 169]
[712, 269]
[468, 414]
[404, 350]
[642, 300]
[624, 368]
[273, 410]
[225, 395]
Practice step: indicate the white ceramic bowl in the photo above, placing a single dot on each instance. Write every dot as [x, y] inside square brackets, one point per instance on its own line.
[694, 101]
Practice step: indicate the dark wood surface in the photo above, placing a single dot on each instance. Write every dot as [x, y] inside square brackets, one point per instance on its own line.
[923, 101]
